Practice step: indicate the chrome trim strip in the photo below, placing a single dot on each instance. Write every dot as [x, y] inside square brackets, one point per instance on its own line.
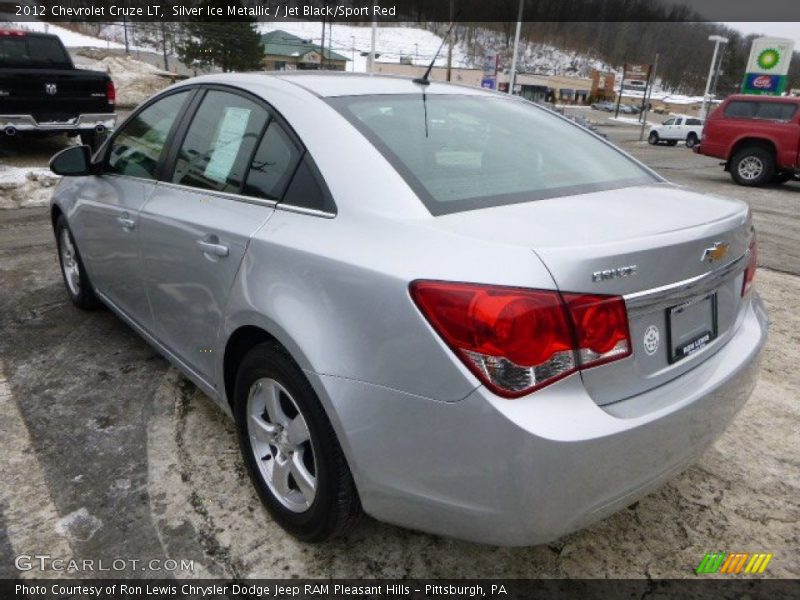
[306, 211]
[84, 121]
[223, 195]
[668, 294]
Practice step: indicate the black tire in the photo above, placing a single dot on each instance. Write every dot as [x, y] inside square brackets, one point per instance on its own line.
[336, 506]
[691, 140]
[753, 166]
[653, 139]
[81, 295]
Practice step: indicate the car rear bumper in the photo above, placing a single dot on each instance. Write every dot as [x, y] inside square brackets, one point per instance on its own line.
[86, 122]
[526, 471]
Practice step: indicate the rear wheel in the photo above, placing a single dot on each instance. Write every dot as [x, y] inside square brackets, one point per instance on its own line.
[76, 280]
[753, 166]
[652, 139]
[691, 140]
[290, 449]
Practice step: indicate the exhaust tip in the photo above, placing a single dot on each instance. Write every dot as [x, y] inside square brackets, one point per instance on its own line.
[10, 130]
[100, 128]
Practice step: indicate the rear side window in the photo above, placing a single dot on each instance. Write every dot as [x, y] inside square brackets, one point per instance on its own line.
[33, 51]
[273, 164]
[307, 189]
[775, 111]
[137, 147]
[741, 109]
[219, 142]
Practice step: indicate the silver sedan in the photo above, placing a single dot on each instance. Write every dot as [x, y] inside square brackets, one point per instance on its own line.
[445, 307]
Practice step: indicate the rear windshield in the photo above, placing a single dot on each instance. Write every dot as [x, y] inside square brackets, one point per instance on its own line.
[32, 51]
[468, 152]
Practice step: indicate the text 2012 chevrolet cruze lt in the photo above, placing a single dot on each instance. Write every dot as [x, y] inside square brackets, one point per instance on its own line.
[450, 308]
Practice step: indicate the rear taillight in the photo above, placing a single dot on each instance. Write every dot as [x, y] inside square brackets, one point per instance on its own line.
[518, 340]
[750, 271]
[111, 93]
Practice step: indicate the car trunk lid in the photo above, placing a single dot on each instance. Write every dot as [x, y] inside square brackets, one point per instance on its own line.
[676, 257]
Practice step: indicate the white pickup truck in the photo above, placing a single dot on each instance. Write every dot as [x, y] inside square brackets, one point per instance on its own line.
[677, 128]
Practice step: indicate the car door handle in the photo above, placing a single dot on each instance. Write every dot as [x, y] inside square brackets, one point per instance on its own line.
[212, 248]
[126, 222]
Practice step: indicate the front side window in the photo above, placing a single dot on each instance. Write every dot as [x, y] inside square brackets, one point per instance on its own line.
[137, 147]
[219, 142]
[461, 152]
[669, 122]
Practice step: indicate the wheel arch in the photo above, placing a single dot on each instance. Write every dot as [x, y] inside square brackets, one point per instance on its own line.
[751, 141]
[55, 213]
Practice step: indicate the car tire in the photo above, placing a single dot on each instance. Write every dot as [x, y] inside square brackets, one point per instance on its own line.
[290, 448]
[691, 140]
[653, 139]
[753, 166]
[76, 280]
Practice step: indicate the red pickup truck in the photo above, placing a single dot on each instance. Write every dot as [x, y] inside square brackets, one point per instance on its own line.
[758, 137]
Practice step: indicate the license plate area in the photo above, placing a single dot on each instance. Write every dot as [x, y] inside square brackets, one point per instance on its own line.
[691, 326]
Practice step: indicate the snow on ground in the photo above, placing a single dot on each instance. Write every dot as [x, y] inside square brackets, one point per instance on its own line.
[418, 45]
[22, 187]
[134, 80]
[70, 38]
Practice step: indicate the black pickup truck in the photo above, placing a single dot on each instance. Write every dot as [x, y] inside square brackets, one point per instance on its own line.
[41, 91]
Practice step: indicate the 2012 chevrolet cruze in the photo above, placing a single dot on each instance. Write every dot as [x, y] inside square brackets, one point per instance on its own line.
[455, 309]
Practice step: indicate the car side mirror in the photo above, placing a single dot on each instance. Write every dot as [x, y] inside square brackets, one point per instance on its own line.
[73, 162]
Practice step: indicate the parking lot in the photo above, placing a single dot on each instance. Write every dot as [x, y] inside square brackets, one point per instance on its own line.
[110, 453]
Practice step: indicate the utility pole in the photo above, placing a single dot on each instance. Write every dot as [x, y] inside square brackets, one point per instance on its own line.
[647, 96]
[125, 29]
[717, 39]
[450, 42]
[512, 79]
[416, 53]
[371, 59]
[353, 52]
[621, 88]
[330, 41]
[164, 44]
[322, 47]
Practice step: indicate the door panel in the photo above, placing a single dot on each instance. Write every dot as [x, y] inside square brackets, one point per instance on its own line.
[108, 206]
[192, 245]
[194, 231]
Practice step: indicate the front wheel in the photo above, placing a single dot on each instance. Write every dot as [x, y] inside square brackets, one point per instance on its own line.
[652, 139]
[290, 449]
[752, 166]
[691, 140]
[76, 280]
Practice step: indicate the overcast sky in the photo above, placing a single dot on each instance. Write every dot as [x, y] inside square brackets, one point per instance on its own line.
[790, 30]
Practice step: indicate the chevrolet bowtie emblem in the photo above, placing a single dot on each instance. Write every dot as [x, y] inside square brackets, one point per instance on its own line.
[717, 252]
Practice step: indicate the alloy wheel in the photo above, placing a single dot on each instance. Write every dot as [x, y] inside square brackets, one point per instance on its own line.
[281, 444]
[69, 263]
[750, 168]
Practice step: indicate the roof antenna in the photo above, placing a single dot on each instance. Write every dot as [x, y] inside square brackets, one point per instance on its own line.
[424, 79]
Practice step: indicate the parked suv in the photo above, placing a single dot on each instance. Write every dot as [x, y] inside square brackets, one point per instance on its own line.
[757, 136]
[676, 129]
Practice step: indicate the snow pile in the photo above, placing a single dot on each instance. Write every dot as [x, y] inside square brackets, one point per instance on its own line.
[22, 187]
[391, 43]
[70, 39]
[134, 80]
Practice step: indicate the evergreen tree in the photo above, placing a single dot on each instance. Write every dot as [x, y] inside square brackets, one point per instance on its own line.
[229, 45]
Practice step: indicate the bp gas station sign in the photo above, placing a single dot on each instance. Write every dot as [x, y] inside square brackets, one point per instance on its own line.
[768, 66]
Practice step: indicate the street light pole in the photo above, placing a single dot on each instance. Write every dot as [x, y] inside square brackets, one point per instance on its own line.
[353, 52]
[717, 39]
[513, 75]
[371, 59]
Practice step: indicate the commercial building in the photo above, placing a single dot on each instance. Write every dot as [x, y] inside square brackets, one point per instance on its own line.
[286, 52]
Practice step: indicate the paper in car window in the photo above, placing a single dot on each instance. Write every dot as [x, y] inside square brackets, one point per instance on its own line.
[229, 138]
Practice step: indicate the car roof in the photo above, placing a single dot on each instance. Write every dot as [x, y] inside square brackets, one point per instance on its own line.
[328, 84]
[758, 98]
